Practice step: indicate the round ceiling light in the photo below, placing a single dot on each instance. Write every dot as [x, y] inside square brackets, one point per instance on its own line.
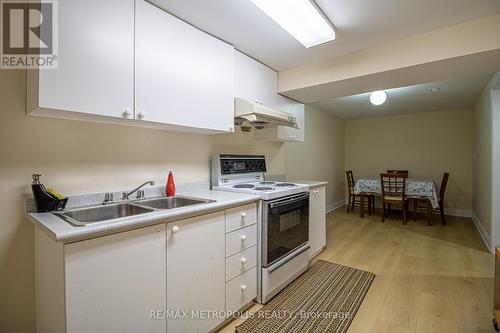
[378, 97]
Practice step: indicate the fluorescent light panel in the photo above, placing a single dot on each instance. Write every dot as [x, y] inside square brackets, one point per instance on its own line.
[300, 18]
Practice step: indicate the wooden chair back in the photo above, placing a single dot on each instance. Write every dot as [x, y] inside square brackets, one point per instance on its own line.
[404, 172]
[350, 181]
[393, 185]
[444, 183]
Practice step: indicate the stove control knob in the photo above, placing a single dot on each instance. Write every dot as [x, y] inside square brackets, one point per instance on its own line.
[243, 238]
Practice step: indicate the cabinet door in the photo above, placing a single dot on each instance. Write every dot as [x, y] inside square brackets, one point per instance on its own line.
[114, 282]
[317, 220]
[293, 134]
[254, 81]
[96, 59]
[184, 77]
[195, 271]
[283, 133]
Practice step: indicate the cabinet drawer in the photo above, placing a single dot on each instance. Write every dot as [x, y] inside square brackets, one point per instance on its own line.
[239, 217]
[241, 290]
[241, 239]
[241, 262]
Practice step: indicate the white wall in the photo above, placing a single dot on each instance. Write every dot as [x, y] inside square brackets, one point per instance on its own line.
[79, 157]
[427, 144]
[495, 212]
[321, 157]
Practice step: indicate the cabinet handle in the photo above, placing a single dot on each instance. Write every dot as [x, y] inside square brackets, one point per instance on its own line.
[243, 287]
[141, 115]
[243, 238]
[175, 229]
[243, 215]
[243, 260]
[126, 113]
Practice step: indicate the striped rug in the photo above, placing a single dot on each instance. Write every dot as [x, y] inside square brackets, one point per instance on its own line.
[323, 299]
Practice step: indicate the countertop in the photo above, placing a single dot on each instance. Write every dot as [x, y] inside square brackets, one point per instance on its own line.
[283, 178]
[62, 231]
[311, 183]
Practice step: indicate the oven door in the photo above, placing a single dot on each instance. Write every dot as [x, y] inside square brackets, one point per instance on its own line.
[285, 226]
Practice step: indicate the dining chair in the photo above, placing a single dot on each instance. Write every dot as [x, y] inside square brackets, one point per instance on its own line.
[393, 187]
[405, 172]
[370, 199]
[429, 210]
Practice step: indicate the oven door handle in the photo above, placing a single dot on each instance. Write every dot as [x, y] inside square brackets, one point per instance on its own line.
[288, 201]
[292, 255]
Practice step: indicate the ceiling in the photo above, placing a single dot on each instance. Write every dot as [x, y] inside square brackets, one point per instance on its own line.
[412, 99]
[359, 24]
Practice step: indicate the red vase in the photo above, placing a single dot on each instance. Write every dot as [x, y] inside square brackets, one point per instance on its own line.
[170, 188]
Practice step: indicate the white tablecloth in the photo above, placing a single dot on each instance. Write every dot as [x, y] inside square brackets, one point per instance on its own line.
[415, 188]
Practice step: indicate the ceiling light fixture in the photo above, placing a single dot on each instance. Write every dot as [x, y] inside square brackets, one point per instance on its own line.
[378, 97]
[300, 18]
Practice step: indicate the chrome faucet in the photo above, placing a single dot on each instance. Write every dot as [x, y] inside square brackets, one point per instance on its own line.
[126, 195]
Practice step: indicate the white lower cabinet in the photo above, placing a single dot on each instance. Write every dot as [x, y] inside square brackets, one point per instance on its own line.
[195, 271]
[317, 220]
[114, 282]
[124, 282]
[241, 257]
[241, 290]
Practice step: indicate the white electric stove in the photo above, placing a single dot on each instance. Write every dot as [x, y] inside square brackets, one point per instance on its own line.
[283, 219]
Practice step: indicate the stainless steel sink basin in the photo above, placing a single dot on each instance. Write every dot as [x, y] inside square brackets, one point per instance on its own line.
[89, 215]
[172, 202]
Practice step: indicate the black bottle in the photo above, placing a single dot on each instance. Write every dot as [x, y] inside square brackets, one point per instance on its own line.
[44, 201]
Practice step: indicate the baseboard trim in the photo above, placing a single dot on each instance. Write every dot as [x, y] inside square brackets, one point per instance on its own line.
[334, 206]
[484, 235]
[457, 212]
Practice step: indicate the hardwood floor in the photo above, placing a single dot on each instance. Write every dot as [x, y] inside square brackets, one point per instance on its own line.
[428, 279]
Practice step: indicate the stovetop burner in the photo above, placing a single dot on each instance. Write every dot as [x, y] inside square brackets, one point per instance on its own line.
[285, 185]
[267, 183]
[244, 186]
[264, 188]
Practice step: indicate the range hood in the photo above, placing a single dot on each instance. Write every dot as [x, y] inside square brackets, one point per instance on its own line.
[260, 116]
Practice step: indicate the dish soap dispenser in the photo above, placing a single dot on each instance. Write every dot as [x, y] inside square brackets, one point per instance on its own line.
[170, 188]
[43, 200]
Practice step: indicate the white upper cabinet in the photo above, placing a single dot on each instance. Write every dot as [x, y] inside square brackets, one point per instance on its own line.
[184, 77]
[129, 62]
[284, 133]
[96, 62]
[256, 82]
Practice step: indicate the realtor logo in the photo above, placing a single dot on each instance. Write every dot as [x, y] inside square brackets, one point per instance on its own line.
[28, 34]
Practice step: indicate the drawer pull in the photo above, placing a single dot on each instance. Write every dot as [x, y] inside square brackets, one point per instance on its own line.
[243, 238]
[243, 287]
[175, 229]
[243, 260]
[244, 215]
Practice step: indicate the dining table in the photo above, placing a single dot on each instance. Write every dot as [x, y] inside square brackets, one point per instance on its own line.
[415, 189]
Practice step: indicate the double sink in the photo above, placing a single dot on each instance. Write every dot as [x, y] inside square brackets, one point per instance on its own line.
[103, 213]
